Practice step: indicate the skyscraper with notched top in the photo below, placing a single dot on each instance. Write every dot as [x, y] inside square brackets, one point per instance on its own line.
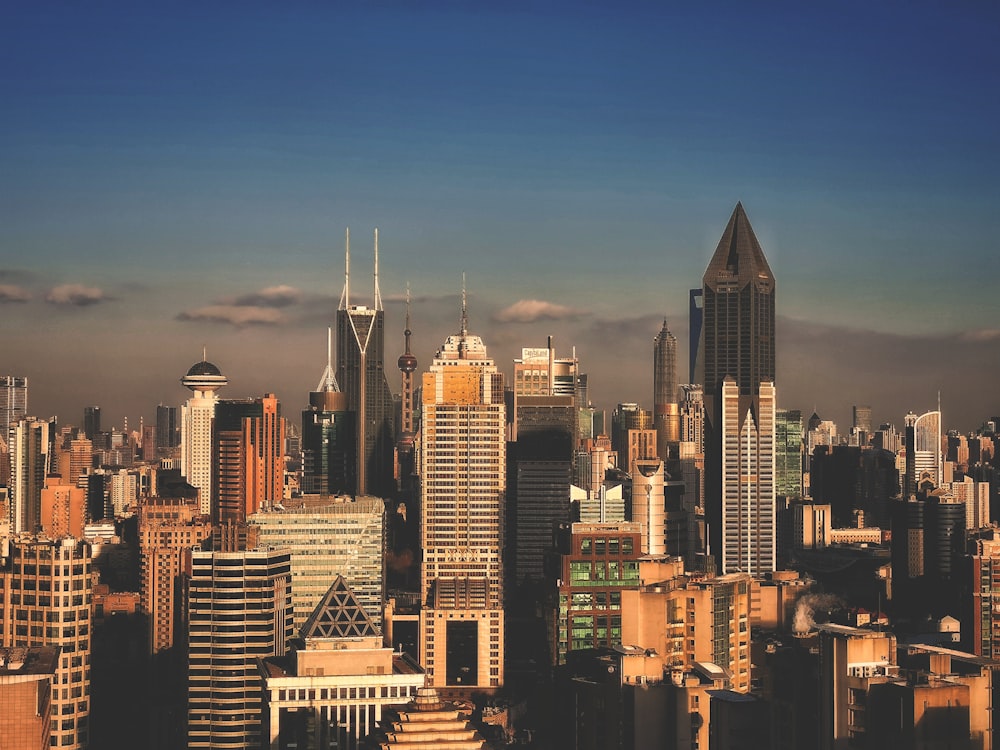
[737, 354]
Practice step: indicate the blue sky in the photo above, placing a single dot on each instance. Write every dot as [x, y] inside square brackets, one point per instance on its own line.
[160, 166]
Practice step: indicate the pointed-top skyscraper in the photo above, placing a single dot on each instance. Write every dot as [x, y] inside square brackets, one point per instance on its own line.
[361, 374]
[666, 415]
[738, 379]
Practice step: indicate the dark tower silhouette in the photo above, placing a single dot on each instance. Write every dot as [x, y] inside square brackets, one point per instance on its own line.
[361, 374]
[666, 414]
[737, 345]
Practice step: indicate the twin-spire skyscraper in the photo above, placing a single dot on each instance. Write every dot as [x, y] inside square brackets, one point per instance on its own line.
[361, 376]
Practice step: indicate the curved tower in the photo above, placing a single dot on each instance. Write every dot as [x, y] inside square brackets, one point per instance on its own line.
[197, 417]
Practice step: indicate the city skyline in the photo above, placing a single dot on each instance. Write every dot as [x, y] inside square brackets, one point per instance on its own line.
[178, 180]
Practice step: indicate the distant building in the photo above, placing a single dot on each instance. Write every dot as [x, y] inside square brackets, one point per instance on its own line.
[329, 439]
[13, 402]
[64, 508]
[168, 431]
[788, 453]
[29, 445]
[91, 421]
[666, 413]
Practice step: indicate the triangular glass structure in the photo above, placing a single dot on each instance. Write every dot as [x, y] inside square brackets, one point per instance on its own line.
[338, 615]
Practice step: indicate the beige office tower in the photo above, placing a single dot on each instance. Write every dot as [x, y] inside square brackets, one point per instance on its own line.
[45, 600]
[462, 497]
[748, 492]
[648, 510]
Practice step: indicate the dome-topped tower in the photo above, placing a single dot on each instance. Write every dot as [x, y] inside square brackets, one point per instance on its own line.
[204, 377]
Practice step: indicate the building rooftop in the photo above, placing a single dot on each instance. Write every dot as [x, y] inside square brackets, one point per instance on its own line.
[36, 660]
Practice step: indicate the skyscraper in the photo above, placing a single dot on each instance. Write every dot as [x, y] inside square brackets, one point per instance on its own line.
[197, 416]
[29, 463]
[13, 402]
[361, 374]
[167, 431]
[240, 610]
[923, 451]
[737, 350]
[463, 461]
[48, 592]
[666, 414]
[248, 457]
[329, 438]
[91, 421]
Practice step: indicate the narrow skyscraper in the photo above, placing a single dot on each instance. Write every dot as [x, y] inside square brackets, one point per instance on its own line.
[737, 355]
[361, 374]
[197, 417]
[463, 460]
[666, 415]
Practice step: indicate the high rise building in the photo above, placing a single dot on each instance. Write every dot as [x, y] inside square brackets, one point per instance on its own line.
[329, 438]
[863, 419]
[923, 451]
[687, 618]
[248, 457]
[91, 421]
[47, 591]
[738, 352]
[625, 418]
[239, 611]
[463, 461]
[168, 434]
[328, 537]
[64, 508]
[666, 413]
[361, 374]
[169, 528]
[13, 402]
[596, 562]
[197, 416]
[788, 453]
[29, 464]
[545, 425]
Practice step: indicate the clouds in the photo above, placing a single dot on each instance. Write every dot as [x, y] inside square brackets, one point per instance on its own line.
[75, 295]
[13, 293]
[260, 308]
[281, 295]
[533, 310]
[236, 315]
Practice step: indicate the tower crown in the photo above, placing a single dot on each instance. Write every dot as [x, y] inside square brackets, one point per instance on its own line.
[204, 376]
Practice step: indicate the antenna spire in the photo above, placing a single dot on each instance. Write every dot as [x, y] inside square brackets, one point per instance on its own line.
[204, 353]
[378, 294]
[345, 296]
[465, 309]
[406, 331]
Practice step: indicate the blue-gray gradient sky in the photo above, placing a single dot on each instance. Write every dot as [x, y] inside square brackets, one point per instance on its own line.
[181, 177]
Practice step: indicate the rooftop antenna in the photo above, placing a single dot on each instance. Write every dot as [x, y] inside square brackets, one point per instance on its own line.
[328, 381]
[345, 296]
[204, 353]
[378, 294]
[406, 331]
[465, 311]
